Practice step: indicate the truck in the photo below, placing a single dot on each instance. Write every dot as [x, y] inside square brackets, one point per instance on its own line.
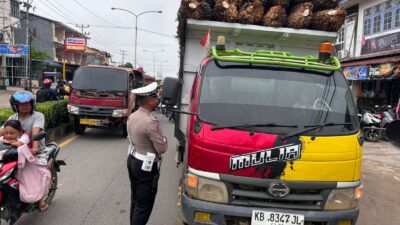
[267, 128]
[100, 96]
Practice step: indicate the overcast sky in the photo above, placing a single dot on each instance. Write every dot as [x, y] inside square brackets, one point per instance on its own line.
[98, 13]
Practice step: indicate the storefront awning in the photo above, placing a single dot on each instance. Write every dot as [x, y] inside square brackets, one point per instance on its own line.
[365, 62]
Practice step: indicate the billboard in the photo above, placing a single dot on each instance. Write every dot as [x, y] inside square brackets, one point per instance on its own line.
[381, 44]
[75, 44]
[385, 71]
[6, 49]
[356, 73]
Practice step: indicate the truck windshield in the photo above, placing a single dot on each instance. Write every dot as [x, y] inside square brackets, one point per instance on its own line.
[235, 94]
[100, 79]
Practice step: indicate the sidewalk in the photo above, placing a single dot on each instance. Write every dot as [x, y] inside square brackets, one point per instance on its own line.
[6, 94]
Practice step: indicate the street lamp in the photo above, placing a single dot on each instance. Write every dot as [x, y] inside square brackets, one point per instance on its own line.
[136, 20]
[154, 58]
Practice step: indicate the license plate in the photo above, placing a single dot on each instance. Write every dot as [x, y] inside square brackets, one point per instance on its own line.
[276, 218]
[90, 122]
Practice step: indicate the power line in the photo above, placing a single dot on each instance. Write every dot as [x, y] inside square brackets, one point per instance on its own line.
[94, 14]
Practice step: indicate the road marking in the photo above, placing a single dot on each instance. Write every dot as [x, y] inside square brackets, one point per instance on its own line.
[73, 138]
[62, 145]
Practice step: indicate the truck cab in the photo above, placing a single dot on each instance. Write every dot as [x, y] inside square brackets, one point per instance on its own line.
[271, 137]
[100, 96]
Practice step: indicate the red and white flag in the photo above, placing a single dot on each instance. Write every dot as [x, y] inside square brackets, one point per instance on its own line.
[205, 41]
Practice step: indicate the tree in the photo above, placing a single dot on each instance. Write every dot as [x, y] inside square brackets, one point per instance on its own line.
[39, 55]
[127, 65]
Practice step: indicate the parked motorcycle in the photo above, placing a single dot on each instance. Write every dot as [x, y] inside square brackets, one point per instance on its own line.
[371, 126]
[11, 206]
[387, 117]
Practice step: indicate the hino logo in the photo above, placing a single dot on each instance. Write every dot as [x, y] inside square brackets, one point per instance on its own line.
[282, 153]
[278, 190]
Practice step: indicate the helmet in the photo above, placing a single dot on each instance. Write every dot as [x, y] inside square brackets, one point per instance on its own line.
[21, 97]
[47, 82]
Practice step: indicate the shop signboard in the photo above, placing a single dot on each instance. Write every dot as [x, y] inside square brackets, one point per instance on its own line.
[75, 44]
[385, 71]
[380, 44]
[356, 73]
[6, 49]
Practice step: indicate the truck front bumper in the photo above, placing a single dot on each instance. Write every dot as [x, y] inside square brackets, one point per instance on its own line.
[221, 214]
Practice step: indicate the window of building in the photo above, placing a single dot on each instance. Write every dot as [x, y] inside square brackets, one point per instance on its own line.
[387, 20]
[14, 8]
[382, 17]
[339, 44]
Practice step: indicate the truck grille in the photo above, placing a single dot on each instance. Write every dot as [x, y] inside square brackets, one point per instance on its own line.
[96, 111]
[245, 195]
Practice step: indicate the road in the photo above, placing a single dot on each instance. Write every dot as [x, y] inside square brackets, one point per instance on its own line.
[94, 186]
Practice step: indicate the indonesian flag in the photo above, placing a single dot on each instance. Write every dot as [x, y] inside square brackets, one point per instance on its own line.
[205, 41]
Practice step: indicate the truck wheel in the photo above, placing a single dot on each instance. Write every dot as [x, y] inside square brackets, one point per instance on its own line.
[124, 131]
[78, 127]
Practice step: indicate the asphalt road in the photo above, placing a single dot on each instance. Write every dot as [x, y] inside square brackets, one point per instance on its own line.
[94, 186]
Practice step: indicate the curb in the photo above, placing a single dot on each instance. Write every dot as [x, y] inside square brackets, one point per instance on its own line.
[55, 134]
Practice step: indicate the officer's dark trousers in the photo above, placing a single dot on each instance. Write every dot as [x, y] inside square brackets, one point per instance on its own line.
[143, 192]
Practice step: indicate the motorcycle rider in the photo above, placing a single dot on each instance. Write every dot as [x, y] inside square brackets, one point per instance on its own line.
[23, 104]
[45, 93]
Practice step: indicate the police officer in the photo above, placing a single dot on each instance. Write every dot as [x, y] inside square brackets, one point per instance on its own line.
[147, 144]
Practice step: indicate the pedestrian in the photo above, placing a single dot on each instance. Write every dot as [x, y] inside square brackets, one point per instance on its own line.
[147, 144]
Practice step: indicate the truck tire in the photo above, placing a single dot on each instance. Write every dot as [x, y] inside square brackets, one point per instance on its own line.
[78, 127]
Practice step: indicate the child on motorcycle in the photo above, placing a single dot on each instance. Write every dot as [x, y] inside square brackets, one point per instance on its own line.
[15, 135]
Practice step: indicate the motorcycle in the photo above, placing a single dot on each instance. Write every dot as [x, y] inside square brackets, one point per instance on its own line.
[387, 117]
[11, 207]
[371, 126]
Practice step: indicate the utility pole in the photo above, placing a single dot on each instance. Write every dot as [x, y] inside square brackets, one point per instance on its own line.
[3, 57]
[28, 5]
[83, 27]
[123, 52]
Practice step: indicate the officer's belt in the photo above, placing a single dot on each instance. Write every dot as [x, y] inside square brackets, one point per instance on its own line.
[139, 156]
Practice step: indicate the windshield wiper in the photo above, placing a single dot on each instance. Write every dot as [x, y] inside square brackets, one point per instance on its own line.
[217, 127]
[313, 127]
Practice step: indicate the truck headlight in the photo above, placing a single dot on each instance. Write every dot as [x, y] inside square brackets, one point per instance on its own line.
[73, 109]
[120, 113]
[342, 199]
[205, 189]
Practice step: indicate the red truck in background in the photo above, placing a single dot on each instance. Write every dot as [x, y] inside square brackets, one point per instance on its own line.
[100, 96]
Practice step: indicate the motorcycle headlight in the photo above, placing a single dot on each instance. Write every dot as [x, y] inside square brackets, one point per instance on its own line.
[119, 113]
[73, 109]
[6, 175]
[342, 199]
[205, 189]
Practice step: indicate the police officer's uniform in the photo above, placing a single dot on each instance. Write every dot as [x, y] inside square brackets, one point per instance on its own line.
[145, 137]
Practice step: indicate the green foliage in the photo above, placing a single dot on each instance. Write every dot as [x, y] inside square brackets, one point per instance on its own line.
[55, 113]
[127, 65]
[38, 55]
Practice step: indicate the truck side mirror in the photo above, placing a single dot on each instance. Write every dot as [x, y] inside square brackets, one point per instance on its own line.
[135, 84]
[170, 91]
[393, 132]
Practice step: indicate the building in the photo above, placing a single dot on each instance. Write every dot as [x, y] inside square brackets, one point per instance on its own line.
[368, 46]
[11, 62]
[48, 37]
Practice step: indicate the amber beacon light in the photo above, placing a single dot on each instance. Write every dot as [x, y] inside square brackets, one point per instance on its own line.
[325, 50]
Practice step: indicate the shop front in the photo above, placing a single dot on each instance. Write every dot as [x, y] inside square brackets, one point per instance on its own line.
[374, 84]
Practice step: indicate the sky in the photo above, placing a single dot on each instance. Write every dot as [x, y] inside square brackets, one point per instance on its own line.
[156, 31]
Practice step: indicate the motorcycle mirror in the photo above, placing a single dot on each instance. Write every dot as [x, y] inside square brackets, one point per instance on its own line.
[393, 133]
[39, 136]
